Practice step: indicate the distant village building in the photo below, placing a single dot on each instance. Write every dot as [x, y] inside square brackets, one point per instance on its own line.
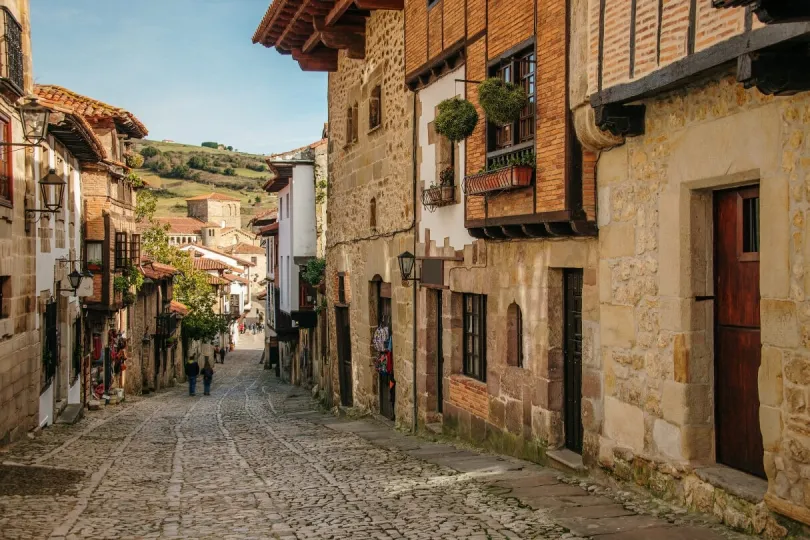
[216, 208]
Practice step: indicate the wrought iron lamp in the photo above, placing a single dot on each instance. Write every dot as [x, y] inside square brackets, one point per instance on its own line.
[34, 121]
[407, 261]
[52, 189]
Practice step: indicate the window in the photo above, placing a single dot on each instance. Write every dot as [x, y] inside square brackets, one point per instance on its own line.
[748, 224]
[120, 249]
[50, 346]
[375, 108]
[287, 202]
[372, 220]
[6, 186]
[351, 124]
[94, 253]
[521, 70]
[253, 260]
[14, 62]
[76, 361]
[135, 248]
[514, 335]
[210, 232]
[475, 352]
[341, 288]
[5, 297]
[432, 3]
[281, 209]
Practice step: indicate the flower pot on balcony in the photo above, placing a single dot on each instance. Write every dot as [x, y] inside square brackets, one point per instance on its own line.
[437, 196]
[505, 179]
[94, 267]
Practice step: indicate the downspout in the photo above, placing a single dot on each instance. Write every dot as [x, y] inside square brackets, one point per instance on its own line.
[415, 238]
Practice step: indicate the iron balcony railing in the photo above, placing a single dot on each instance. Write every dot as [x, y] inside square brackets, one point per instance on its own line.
[166, 324]
[14, 68]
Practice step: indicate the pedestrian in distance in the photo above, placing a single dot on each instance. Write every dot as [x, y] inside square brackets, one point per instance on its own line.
[192, 370]
[221, 355]
[208, 376]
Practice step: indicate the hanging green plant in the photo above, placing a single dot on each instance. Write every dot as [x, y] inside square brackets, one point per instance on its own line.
[501, 100]
[456, 119]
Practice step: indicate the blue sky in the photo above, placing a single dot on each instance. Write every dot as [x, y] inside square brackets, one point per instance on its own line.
[186, 68]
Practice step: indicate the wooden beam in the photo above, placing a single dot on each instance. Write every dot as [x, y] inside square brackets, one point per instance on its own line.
[355, 43]
[397, 5]
[313, 41]
[290, 25]
[355, 26]
[341, 7]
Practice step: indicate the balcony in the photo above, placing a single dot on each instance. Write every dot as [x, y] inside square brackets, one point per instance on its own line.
[305, 316]
[166, 325]
[505, 179]
[284, 327]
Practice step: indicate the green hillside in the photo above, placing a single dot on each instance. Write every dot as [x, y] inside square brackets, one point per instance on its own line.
[178, 171]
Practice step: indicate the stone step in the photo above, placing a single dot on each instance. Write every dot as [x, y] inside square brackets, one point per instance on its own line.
[71, 414]
[566, 460]
[435, 427]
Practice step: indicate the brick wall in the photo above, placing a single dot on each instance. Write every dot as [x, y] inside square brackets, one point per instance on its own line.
[469, 395]
[508, 23]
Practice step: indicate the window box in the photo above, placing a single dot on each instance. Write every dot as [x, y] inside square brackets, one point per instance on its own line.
[437, 196]
[507, 178]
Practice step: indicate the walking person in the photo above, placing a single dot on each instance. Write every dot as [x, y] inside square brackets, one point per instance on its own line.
[208, 376]
[192, 370]
[221, 355]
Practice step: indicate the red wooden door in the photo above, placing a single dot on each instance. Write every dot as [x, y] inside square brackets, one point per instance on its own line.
[737, 329]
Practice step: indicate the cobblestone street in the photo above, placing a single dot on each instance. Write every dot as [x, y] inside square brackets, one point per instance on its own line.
[253, 460]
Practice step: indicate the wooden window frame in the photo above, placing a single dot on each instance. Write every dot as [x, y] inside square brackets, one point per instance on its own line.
[341, 288]
[5, 297]
[135, 249]
[743, 195]
[6, 199]
[474, 328]
[375, 122]
[121, 245]
[521, 65]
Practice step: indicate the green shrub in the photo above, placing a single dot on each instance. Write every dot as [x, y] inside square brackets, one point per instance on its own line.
[209, 144]
[134, 161]
[149, 151]
[457, 119]
[230, 171]
[314, 271]
[198, 162]
[258, 167]
[502, 101]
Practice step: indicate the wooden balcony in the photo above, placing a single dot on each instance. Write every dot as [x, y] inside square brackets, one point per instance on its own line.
[505, 179]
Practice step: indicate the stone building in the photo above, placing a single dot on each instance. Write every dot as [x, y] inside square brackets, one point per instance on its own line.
[112, 241]
[507, 298]
[224, 210]
[21, 373]
[370, 208]
[697, 384]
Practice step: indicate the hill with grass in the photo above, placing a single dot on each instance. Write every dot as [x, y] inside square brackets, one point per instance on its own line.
[176, 172]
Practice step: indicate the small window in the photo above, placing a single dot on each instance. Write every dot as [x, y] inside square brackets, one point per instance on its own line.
[135, 249]
[120, 250]
[375, 108]
[372, 220]
[351, 124]
[514, 336]
[95, 253]
[287, 202]
[521, 70]
[6, 184]
[341, 288]
[5, 297]
[432, 3]
[475, 350]
[253, 260]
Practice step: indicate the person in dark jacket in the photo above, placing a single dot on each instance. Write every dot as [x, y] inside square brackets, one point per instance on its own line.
[192, 370]
[208, 376]
[221, 355]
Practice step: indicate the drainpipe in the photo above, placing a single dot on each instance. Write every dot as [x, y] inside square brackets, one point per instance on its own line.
[415, 128]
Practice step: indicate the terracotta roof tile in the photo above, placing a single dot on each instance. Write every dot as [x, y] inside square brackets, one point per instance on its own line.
[177, 307]
[213, 196]
[197, 247]
[182, 225]
[215, 280]
[244, 249]
[204, 263]
[92, 109]
[156, 270]
[269, 230]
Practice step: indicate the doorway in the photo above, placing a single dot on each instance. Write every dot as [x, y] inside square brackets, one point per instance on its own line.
[387, 383]
[737, 330]
[572, 358]
[344, 352]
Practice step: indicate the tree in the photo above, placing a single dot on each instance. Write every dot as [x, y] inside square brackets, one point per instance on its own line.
[145, 206]
[179, 171]
[134, 161]
[210, 144]
[198, 162]
[149, 151]
[230, 171]
[258, 199]
[230, 148]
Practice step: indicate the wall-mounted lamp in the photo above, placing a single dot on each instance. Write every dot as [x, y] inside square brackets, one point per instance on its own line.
[52, 189]
[407, 262]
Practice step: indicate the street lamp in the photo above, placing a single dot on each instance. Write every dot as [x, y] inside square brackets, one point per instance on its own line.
[75, 279]
[52, 189]
[406, 264]
[34, 119]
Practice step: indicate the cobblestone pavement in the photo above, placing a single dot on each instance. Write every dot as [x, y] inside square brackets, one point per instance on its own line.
[253, 460]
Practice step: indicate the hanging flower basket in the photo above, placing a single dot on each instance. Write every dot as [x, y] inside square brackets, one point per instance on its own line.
[437, 196]
[507, 178]
[456, 119]
[501, 100]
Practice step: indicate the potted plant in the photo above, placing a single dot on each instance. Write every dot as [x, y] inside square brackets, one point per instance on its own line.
[515, 171]
[456, 119]
[447, 181]
[95, 265]
[502, 101]
[129, 298]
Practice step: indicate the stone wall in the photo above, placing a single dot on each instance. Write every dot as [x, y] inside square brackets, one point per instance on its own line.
[215, 211]
[20, 360]
[657, 343]
[365, 237]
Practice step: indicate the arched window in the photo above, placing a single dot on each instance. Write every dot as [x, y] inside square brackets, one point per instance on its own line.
[372, 220]
[514, 335]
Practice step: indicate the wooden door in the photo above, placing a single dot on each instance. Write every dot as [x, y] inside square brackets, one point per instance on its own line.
[736, 336]
[572, 373]
[439, 355]
[344, 350]
[387, 382]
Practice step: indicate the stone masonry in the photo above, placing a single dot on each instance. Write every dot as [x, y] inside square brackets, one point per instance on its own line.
[370, 213]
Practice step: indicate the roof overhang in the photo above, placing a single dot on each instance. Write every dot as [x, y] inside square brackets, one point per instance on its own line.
[313, 31]
[76, 134]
